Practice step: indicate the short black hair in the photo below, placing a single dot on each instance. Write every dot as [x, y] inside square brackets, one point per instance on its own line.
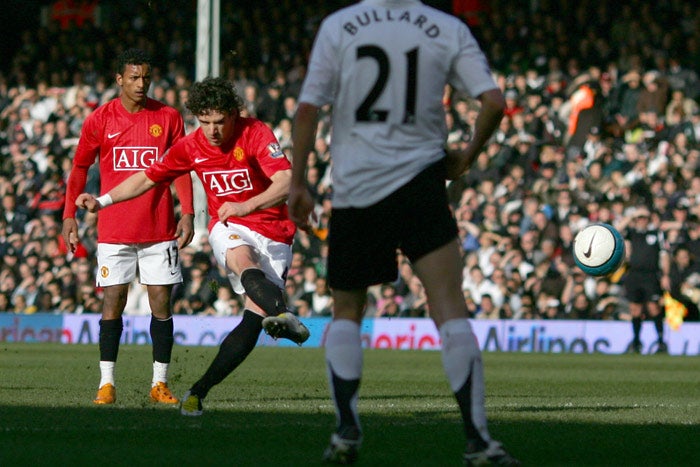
[132, 57]
[214, 94]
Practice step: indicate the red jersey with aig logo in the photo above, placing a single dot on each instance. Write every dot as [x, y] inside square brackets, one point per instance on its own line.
[234, 172]
[127, 143]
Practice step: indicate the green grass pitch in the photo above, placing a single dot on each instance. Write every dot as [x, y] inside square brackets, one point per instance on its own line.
[549, 410]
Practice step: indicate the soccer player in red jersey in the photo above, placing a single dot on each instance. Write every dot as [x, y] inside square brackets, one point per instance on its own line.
[246, 178]
[127, 135]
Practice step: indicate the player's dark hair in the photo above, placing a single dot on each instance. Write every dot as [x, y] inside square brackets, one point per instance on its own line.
[214, 94]
[132, 57]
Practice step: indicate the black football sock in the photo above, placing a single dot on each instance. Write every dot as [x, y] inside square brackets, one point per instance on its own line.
[344, 357]
[461, 359]
[464, 401]
[659, 325]
[233, 350]
[110, 334]
[345, 393]
[263, 292]
[162, 337]
[637, 329]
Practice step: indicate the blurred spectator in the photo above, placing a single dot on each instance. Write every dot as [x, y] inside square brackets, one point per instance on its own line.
[552, 310]
[136, 300]
[389, 302]
[319, 302]
[309, 276]
[478, 285]
[606, 305]
[579, 308]
[415, 302]
[199, 287]
[194, 305]
[20, 305]
[15, 216]
[270, 109]
[683, 266]
[487, 308]
[227, 303]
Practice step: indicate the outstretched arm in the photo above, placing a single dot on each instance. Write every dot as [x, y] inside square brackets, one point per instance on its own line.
[130, 188]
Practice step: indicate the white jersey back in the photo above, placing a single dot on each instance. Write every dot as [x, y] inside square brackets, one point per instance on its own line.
[383, 65]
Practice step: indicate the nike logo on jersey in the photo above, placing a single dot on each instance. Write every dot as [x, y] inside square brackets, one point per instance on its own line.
[113, 135]
[197, 160]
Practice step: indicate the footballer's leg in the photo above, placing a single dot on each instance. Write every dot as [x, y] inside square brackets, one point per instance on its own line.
[111, 326]
[250, 278]
[344, 365]
[636, 313]
[161, 330]
[117, 266]
[233, 351]
[440, 271]
[159, 270]
[280, 322]
[656, 313]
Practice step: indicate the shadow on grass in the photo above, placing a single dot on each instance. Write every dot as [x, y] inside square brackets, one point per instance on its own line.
[155, 436]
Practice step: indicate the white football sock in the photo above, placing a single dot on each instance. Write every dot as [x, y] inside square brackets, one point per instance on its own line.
[460, 357]
[344, 360]
[106, 373]
[344, 349]
[160, 373]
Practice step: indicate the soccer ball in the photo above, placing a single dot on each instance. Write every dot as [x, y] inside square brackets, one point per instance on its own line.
[599, 249]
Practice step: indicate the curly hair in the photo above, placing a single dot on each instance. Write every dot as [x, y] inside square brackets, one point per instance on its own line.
[214, 94]
[132, 57]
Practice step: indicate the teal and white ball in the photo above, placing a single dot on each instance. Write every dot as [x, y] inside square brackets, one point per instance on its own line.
[599, 249]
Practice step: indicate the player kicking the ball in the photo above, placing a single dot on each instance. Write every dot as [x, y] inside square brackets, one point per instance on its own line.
[127, 135]
[246, 178]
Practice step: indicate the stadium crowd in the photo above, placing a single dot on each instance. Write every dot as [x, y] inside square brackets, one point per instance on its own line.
[602, 123]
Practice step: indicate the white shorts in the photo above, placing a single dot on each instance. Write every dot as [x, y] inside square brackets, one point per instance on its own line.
[158, 263]
[275, 257]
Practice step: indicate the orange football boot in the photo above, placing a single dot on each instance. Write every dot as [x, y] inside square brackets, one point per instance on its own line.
[161, 393]
[107, 394]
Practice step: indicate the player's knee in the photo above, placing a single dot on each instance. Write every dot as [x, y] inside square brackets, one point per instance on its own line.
[263, 292]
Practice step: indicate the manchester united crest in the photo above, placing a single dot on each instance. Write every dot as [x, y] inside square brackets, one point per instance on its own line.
[155, 130]
[238, 154]
[104, 272]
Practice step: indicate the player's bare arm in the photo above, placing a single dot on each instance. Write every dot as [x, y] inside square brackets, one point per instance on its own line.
[185, 226]
[185, 230]
[275, 194]
[130, 188]
[76, 184]
[492, 107]
[70, 233]
[300, 202]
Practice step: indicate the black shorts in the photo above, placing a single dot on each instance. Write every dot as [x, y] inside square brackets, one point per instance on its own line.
[363, 242]
[642, 287]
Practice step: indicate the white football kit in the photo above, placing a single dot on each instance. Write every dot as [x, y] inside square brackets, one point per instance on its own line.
[388, 121]
[275, 257]
[158, 263]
